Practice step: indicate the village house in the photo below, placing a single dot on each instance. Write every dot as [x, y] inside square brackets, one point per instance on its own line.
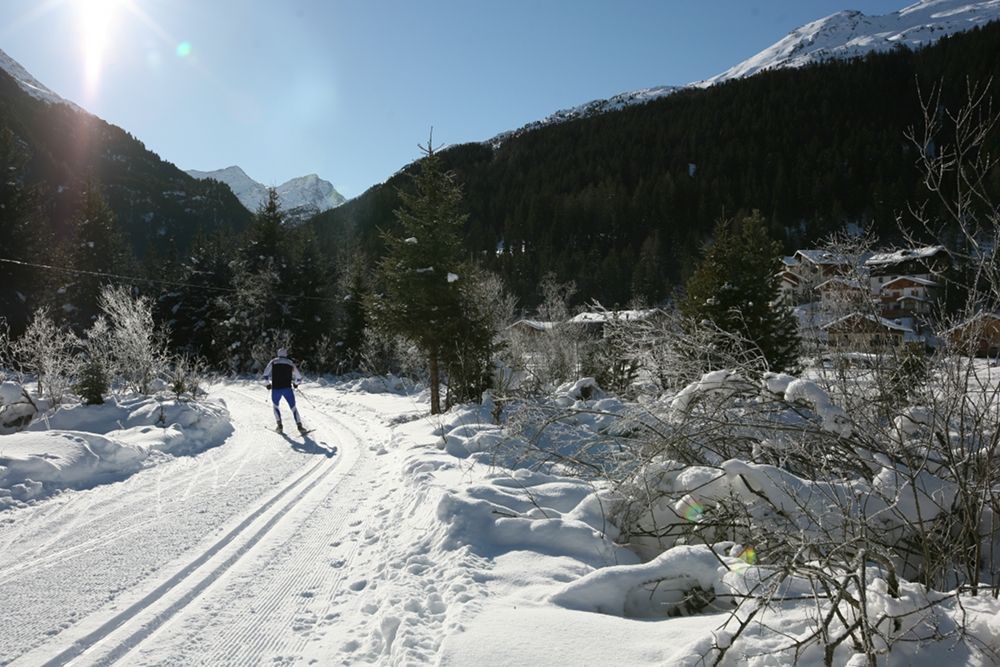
[927, 263]
[806, 269]
[907, 296]
[861, 331]
[979, 335]
[841, 295]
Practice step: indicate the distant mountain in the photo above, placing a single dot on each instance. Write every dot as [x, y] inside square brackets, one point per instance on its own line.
[621, 202]
[157, 204]
[852, 34]
[30, 84]
[844, 35]
[301, 198]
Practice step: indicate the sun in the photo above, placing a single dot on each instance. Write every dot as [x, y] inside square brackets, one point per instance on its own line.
[96, 21]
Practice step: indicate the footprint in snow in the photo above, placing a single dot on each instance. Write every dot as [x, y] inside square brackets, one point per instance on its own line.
[359, 585]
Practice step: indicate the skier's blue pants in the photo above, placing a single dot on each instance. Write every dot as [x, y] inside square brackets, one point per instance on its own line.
[289, 396]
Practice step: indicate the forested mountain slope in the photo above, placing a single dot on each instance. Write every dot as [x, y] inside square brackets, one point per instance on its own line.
[621, 202]
[157, 204]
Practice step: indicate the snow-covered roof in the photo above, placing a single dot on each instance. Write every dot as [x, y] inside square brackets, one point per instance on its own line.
[839, 281]
[537, 325]
[789, 260]
[913, 279]
[888, 324]
[972, 320]
[823, 257]
[906, 254]
[790, 277]
[612, 315]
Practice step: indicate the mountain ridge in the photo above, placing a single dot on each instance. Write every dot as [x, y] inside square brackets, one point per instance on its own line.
[840, 35]
[301, 197]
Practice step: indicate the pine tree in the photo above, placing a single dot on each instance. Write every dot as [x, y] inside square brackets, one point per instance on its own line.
[419, 296]
[98, 250]
[736, 288]
[93, 381]
[23, 235]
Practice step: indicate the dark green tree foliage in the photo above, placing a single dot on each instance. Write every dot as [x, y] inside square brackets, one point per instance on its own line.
[736, 288]
[416, 295]
[354, 318]
[93, 382]
[23, 232]
[283, 292]
[811, 148]
[195, 305]
[97, 246]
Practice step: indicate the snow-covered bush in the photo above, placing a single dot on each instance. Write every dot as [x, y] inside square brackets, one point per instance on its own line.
[137, 346]
[49, 352]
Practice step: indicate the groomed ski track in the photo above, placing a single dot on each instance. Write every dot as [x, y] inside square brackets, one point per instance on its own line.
[288, 577]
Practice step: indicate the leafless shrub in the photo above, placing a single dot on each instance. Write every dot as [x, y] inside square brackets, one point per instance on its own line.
[49, 352]
[138, 348]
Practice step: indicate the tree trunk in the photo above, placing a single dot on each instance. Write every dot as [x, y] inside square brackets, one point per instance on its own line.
[435, 384]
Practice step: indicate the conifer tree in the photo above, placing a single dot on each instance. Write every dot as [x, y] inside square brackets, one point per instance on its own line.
[419, 296]
[736, 288]
[98, 246]
[23, 234]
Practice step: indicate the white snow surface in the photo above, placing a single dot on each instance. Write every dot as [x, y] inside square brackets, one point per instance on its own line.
[30, 84]
[300, 197]
[386, 537]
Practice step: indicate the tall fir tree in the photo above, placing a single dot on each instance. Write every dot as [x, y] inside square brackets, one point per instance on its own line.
[23, 233]
[418, 296]
[736, 288]
[97, 252]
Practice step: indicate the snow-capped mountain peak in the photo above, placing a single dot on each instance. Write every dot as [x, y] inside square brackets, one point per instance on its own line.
[301, 197]
[30, 84]
[845, 34]
[850, 34]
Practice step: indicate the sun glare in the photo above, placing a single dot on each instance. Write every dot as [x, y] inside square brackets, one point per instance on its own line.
[96, 23]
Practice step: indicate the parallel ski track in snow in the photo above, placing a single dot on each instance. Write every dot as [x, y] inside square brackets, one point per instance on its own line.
[266, 610]
[172, 595]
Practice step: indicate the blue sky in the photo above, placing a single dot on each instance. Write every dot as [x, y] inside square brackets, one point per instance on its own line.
[347, 89]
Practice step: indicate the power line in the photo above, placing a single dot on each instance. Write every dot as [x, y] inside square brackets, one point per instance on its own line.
[151, 281]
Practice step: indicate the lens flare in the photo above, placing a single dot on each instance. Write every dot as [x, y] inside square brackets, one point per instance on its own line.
[693, 510]
[184, 49]
[748, 555]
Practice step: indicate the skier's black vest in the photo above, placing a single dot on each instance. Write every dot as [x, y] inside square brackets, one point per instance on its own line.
[281, 373]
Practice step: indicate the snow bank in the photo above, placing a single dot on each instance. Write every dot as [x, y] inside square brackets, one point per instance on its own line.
[16, 410]
[531, 511]
[656, 588]
[81, 446]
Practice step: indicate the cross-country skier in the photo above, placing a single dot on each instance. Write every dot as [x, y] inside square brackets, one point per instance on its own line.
[282, 375]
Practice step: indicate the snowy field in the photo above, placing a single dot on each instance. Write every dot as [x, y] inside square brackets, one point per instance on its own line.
[161, 534]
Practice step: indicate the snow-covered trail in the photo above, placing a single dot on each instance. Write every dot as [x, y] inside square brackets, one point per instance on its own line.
[263, 549]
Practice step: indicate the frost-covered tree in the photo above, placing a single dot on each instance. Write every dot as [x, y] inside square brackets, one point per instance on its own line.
[48, 351]
[419, 292]
[136, 344]
[736, 289]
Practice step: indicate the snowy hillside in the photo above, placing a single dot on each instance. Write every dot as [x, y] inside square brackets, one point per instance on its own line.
[301, 197]
[850, 34]
[846, 34]
[30, 84]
